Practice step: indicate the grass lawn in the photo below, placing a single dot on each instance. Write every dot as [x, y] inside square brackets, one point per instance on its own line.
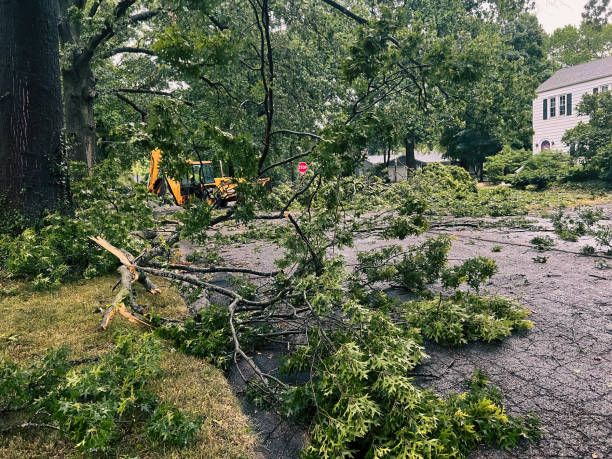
[32, 322]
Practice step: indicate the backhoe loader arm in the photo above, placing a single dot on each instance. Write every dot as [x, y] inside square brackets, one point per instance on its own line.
[154, 170]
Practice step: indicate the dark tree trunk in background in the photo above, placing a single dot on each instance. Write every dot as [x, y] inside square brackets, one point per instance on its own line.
[79, 87]
[31, 149]
[79, 93]
[410, 159]
[78, 78]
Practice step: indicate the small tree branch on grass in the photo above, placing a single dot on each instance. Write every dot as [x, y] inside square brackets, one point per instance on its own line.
[28, 425]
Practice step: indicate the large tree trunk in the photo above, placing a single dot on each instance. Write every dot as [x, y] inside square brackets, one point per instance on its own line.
[79, 95]
[78, 85]
[410, 159]
[31, 149]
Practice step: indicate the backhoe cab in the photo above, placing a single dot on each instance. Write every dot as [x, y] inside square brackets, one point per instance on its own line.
[201, 184]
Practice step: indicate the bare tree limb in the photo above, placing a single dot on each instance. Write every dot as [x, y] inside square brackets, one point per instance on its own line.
[346, 12]
[129, 49]
[302, 134]
[121, 97]
[285, 161]
[218, 269]
[153, 92]
[315, 257]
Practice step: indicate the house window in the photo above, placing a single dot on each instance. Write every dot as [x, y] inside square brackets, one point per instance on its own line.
[545, 145]
[603, 88]
[561, 105]
[553, 110]
[595, 90]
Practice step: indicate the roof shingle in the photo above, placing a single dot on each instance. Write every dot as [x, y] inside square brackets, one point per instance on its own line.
[578, 74]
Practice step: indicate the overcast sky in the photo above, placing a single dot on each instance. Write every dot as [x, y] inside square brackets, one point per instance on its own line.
[558, 13]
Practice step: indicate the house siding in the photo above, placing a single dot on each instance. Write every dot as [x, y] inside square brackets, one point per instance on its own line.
[553, 129]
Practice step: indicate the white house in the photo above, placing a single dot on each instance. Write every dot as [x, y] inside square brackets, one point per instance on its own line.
[554, 109]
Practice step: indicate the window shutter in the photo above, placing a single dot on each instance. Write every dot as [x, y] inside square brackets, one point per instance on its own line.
[545, 109]
[569, 104]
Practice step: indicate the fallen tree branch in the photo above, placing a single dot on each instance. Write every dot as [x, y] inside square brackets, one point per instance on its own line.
[28, 425]
[218, 269]
[315, 257]
[518, 244]
[238, 350]
[208, 286]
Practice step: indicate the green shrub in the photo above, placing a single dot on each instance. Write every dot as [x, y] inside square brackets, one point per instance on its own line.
[450, 190]
[12, 222]
[542, 242]
[436, 178]
[543, 169]
[500, 167]
[592, 141]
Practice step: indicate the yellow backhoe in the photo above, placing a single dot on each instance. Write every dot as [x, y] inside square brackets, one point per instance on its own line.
[201, 184]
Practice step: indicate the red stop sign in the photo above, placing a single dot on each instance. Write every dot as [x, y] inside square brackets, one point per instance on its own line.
[302, 168]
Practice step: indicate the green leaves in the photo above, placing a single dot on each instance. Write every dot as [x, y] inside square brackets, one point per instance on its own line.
[592, 140]
[464, 318]
[61, 249]
[88, 403]
[207, 335]
[170, 427]
[543, 169]
[501, 166]
[473, 272]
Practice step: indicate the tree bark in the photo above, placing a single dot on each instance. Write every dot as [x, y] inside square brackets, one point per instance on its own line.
[79, 82]
[78, 88]
[410, 159]
[31, 148]
[79, 93]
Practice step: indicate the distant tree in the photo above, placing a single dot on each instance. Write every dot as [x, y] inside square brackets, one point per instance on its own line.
[528, 40]
[495, 111]
[31, 180]
[597, 12]
[570, 46]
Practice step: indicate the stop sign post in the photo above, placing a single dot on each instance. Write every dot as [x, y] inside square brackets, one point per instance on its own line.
[302, 168]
